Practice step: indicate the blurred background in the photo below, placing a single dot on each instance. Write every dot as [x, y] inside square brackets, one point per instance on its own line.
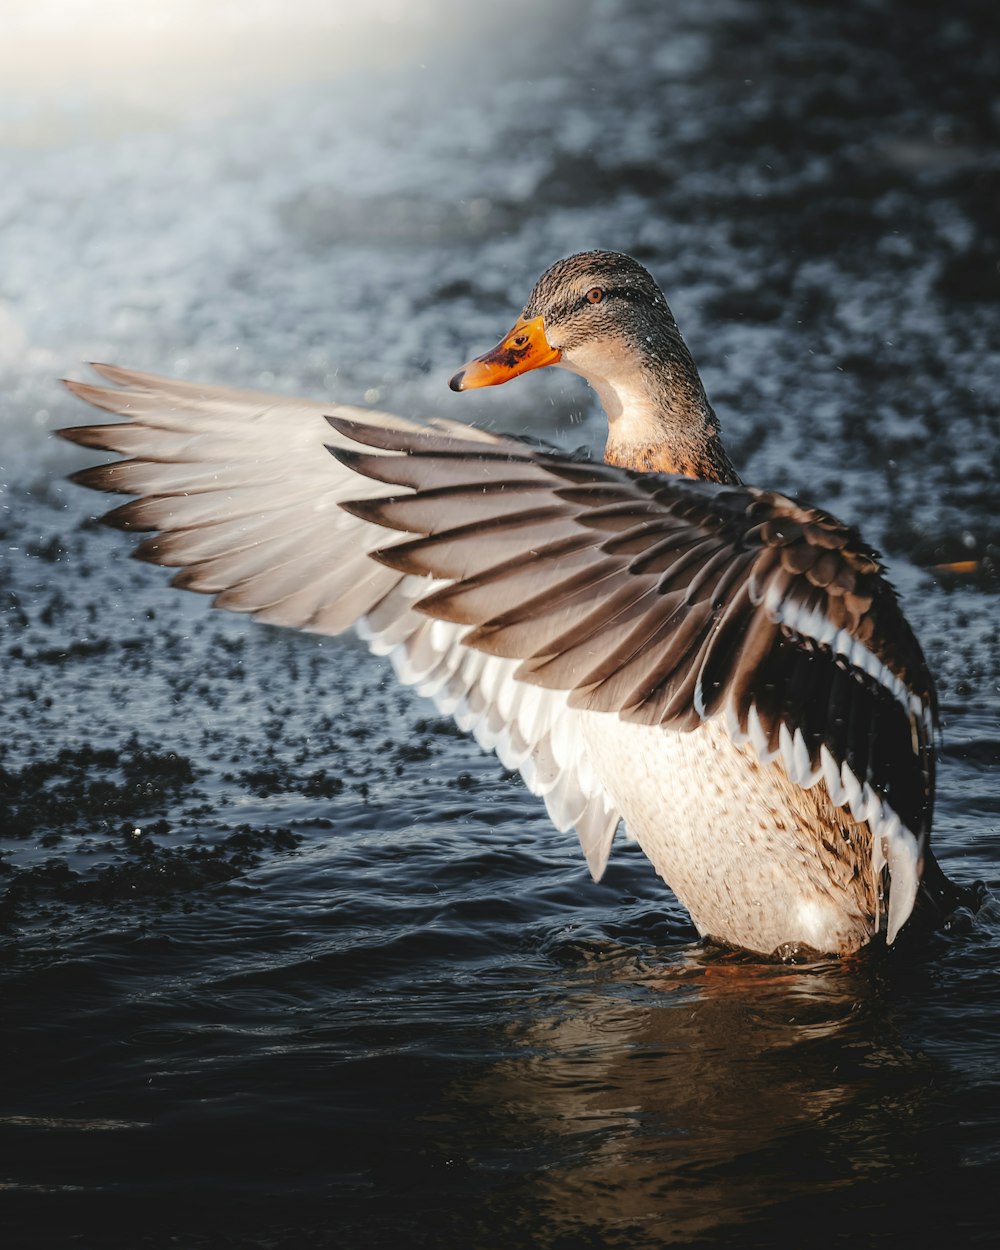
[285, 961]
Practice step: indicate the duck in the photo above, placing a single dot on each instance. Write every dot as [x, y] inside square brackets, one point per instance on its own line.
[719, 669]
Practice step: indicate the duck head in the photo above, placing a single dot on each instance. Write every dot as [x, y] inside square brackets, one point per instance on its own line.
[602, 316]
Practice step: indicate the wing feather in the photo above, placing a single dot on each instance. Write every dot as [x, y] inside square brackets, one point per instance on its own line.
[240, 494]
[690, 599]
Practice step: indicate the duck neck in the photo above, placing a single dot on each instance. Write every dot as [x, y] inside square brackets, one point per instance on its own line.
[659, 417]
[674, 431]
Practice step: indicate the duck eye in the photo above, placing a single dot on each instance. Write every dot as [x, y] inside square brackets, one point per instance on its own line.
[595, 295]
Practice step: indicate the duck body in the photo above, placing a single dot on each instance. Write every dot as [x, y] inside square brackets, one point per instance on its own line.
[646, 640]
[762, 881]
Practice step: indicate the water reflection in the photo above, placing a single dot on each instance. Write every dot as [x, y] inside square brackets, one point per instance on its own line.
[703, 1096]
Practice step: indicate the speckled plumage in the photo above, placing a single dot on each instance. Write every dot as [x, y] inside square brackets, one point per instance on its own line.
[757, 860]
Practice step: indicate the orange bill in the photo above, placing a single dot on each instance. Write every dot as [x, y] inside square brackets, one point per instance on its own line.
[524, 348]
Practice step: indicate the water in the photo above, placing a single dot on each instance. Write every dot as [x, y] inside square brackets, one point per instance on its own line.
[286, 960]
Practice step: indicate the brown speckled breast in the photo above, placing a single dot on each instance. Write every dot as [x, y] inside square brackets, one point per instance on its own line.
[709, 462]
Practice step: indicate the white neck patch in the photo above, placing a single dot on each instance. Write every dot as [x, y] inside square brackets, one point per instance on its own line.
[613, 370]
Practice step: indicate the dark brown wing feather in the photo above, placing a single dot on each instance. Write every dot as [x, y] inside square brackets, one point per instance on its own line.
[664, 599]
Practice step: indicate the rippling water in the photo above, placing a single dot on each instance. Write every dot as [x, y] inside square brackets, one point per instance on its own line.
[286, 961]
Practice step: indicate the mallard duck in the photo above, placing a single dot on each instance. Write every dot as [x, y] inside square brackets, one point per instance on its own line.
[647, 640]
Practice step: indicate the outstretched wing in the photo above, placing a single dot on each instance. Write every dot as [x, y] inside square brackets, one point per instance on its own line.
[242, 496]
[558, 588]
[668, 601]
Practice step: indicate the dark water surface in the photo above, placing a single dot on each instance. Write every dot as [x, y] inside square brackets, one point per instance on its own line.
[286, 961]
